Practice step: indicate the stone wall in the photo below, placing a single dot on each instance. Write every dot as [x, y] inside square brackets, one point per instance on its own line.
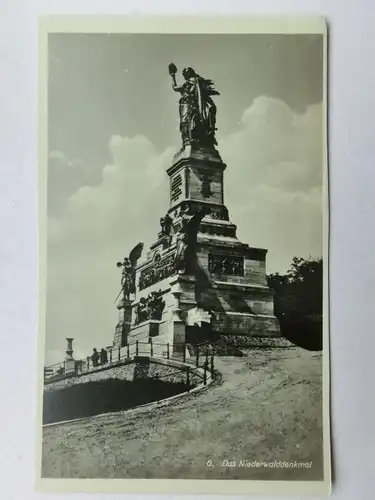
[206, 185]
[237, 299]
[165, 370]
[143, 331]
[122, 372]
[246, 324]
[172, 374]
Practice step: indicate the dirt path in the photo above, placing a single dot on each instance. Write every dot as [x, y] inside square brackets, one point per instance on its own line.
[266, 407]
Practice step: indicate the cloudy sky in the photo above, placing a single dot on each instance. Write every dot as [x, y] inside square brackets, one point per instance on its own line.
[113, 129]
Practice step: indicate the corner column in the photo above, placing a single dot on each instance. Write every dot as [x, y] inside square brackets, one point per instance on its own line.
[183, 291]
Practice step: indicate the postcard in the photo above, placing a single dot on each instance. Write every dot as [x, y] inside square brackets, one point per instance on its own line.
[183, 208]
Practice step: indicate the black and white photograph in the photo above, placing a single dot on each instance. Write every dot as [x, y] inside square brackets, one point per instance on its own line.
[184, 317]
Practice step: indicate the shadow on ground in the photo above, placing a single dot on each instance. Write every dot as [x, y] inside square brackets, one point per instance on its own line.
[304, 333]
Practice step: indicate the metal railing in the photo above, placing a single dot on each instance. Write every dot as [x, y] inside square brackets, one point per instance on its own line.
[203, 358]
[53, 370]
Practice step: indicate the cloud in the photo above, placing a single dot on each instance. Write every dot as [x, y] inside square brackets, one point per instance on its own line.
[272, 191]
[99, 225]
[126, 203]
[65, 176]
[274, 177]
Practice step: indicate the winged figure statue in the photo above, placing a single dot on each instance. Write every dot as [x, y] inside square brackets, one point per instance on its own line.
[128, 271]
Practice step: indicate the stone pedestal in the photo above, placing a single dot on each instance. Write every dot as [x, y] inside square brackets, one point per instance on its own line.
[182, 289]
[144, 331]
[70, 366]
[227, 292]
[123, 324]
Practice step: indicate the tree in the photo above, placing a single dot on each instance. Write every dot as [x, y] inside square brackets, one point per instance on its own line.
[299, 301]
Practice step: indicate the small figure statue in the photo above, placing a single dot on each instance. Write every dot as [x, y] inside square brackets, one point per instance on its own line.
[156, 305]
[150, 307]
[128, 271]
[185, 258]
[227, 266]
[196, 107]
[166, 227]
[141, 312]
[214, 266]
[167, 224]
[181, 251]
[162, 225]
[237, 268]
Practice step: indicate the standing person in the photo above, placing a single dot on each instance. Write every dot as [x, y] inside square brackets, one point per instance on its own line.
[103, 357]
[95, 358]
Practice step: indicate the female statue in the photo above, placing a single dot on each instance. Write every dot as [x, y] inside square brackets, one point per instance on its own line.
[196, 107]
[181, 251]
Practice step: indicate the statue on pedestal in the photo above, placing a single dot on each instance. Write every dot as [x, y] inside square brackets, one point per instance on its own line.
[156, 305]
[181, 251]
[128, 271]
[141, 311]
[186, 239]
[166, 228]
[196, 107]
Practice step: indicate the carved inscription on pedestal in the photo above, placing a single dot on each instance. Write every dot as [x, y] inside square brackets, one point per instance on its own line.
[227, 265]
[187, 182]
[176, 188]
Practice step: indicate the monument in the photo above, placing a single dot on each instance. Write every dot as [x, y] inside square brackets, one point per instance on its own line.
[198, 279]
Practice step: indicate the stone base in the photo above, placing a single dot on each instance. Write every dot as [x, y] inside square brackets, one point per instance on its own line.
[144, 331]
[70, 365]
[227, 290]
[195, 152]
[179, 338]
[226, 305]
[249, 325]
[123, 324]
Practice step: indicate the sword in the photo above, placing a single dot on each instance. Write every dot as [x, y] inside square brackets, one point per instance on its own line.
[118, 296]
